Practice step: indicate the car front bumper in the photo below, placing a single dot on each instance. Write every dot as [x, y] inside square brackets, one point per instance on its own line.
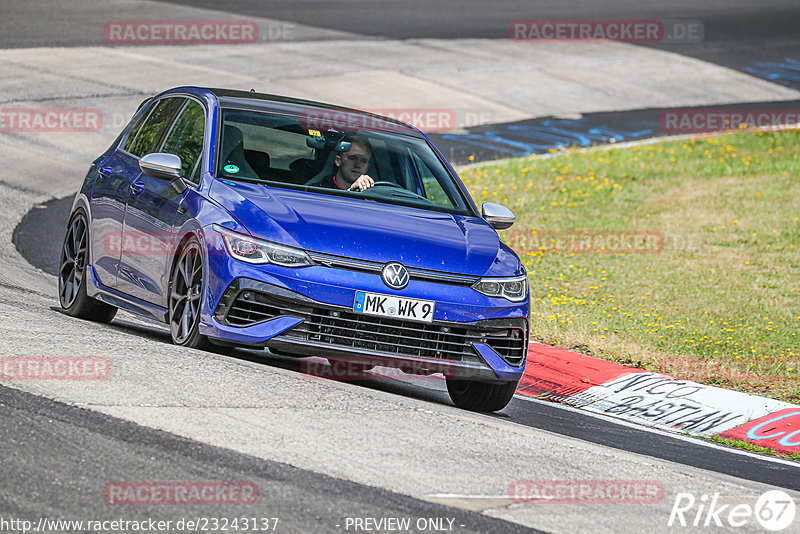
[309, 311]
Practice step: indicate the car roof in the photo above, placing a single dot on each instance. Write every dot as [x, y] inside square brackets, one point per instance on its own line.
[252, 101]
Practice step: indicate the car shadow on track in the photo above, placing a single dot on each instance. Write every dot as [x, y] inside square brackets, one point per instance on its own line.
[427, 388]
[431, 388]
[150, 331]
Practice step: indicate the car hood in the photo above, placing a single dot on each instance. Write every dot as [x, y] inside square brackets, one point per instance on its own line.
[367, 230]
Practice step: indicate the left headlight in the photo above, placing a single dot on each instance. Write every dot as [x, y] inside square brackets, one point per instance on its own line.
[514, 289]
[251, 250]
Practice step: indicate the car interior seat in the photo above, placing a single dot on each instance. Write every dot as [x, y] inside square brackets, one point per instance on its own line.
[301, 170]
[259, 161]
[233, 152]
[327, 169]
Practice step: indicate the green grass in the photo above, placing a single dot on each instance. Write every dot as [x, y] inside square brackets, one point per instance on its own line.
[717, 302]
[746, 445]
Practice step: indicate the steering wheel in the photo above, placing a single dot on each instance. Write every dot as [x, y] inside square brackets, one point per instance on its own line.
[388, 184]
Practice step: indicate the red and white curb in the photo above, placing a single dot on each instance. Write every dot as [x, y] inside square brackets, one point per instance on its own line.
[658, 400]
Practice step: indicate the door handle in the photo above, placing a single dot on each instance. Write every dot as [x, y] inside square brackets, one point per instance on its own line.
[137, 187]
[105, 172]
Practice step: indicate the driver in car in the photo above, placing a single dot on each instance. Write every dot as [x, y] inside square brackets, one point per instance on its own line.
[350, 168]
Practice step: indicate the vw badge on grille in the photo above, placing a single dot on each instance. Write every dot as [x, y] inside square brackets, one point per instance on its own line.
[395, 275]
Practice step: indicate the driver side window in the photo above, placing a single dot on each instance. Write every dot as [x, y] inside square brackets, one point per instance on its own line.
[150, 135]
[186, 139]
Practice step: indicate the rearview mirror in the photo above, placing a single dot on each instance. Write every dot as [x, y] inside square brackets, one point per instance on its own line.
[329, 140]
[499, 216]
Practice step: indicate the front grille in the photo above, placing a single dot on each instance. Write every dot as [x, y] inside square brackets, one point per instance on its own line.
[342, 328]
[365, 266]
[509, 343]
[250, 308]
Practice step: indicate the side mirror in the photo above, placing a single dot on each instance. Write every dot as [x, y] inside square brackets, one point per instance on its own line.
[160, 165]
[499, 216]
[164, 166]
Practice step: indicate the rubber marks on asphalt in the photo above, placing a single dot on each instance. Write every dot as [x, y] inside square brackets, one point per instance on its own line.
[657, 400]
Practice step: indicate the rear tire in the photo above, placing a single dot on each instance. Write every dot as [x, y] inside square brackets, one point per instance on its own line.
[73, 275]
[481, 396]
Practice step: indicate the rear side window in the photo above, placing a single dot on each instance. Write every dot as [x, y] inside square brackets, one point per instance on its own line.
[186, 138]
[150, 135]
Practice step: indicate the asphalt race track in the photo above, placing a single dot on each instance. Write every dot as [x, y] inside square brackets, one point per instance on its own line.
[323, 453]
[736, 37]
[119, 450]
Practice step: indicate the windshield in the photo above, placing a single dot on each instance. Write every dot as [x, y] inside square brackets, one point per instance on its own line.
[292, 152]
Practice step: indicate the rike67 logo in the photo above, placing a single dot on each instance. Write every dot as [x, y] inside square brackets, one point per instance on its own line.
[774, 510]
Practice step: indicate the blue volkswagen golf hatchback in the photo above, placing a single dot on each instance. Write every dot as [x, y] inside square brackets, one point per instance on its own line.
[223, 214]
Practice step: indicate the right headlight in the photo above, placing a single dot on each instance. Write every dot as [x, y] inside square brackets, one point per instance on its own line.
[514, 289]
[251, 250]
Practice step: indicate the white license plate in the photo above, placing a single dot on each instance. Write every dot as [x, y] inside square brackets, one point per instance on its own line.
[391, 306]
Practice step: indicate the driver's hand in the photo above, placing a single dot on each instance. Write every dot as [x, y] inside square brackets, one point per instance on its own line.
[364, 182]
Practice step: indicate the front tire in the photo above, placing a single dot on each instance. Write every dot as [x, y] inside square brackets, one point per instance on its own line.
[186, 298]
[481, 396]
[73, 275]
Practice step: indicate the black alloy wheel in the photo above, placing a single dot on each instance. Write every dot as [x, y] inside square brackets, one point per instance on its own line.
[73, 275]
[186, 300]
[186, 292]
